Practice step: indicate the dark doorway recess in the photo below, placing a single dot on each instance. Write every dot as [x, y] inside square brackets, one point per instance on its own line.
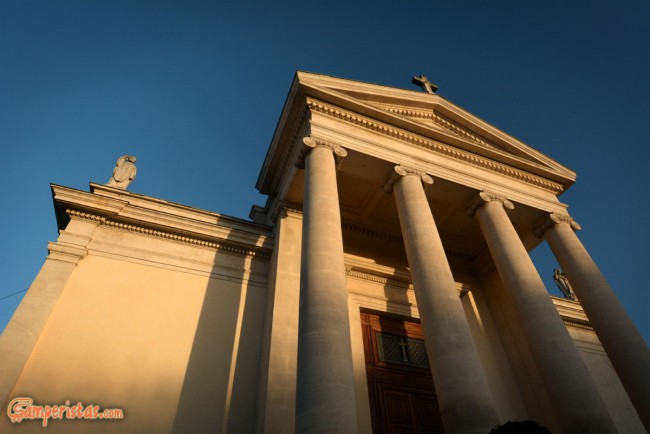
[402, 397]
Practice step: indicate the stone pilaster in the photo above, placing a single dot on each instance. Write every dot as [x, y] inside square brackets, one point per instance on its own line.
[276, 408]
[575, 399]
[464, 396]
[625, 346]
[325, 390]
[22, 332]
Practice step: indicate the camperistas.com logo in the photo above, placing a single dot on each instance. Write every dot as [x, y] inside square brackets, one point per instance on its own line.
[23, 409]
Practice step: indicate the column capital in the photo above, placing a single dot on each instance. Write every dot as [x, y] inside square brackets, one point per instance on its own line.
[484, 197]
[401, 171]
[555, 219]
[313, 143]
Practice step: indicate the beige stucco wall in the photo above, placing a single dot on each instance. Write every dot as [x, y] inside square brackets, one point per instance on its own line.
[176, 349]
[611, 390]
[531, 389]
[493, 357]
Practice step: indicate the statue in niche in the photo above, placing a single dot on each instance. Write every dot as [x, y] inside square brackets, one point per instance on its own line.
[563, 283]
[123, 173]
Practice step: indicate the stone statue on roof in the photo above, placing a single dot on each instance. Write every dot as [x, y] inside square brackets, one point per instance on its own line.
[563, 284]
[123, 173]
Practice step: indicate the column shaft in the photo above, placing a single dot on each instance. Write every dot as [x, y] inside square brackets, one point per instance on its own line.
[625, 346]
[575, 399]
[325, 392]
[463, 393]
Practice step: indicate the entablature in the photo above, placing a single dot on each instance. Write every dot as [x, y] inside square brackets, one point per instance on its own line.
[142, 214]
[440, 160]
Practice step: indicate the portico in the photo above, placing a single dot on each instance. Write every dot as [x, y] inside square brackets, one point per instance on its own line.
[436, 200]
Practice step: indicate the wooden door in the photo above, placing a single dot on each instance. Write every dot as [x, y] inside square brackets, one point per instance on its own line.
[402, 396]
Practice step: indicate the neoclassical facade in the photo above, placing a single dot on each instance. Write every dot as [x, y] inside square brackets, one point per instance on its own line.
[385, 286]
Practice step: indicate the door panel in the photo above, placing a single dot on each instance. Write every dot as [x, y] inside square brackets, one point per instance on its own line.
[400, 386]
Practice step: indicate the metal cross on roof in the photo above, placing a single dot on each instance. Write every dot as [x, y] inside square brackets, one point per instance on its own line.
[424, 83]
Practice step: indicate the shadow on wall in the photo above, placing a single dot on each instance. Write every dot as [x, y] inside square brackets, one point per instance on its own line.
[219, 389]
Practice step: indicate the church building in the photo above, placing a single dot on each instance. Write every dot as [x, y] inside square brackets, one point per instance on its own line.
[384, 287]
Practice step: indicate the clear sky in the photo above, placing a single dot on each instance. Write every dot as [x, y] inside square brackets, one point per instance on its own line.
[194, 90]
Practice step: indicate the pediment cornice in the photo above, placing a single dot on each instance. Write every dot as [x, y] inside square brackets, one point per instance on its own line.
[408, 104]
[433, 145]
[214, 243]
[451, 125]
[156, 217]
[443, 123]
[427, 121]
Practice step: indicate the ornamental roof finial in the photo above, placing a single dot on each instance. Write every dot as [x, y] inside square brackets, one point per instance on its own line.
[424, 83]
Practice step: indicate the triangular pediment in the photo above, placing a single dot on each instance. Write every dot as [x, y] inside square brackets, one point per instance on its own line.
[433, 116]
[438, 121]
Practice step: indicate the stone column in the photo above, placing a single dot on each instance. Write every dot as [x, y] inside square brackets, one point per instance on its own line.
[625, 347]
[465, 400]
[575, 399]
[325, 392]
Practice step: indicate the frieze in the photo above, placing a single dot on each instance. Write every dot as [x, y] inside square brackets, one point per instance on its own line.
[378, 279]
[467, 256]
[372, 233]
[577, 325]
[435, 146]
[230, 248]
[462, 288]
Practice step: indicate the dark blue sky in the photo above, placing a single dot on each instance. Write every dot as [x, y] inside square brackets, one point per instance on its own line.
[194, 90]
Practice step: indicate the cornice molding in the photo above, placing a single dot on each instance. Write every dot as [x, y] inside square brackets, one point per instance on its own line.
[226, 247]
[291, 207]
[578, 325]
[287, 157]
[147, 212]
[373, 233]
[572, 313]
[66, 252]
[452, 126]
[369, 276]
[85, 216]
[421, 114]
[449, 151]
[385, 281]
[441, 120]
